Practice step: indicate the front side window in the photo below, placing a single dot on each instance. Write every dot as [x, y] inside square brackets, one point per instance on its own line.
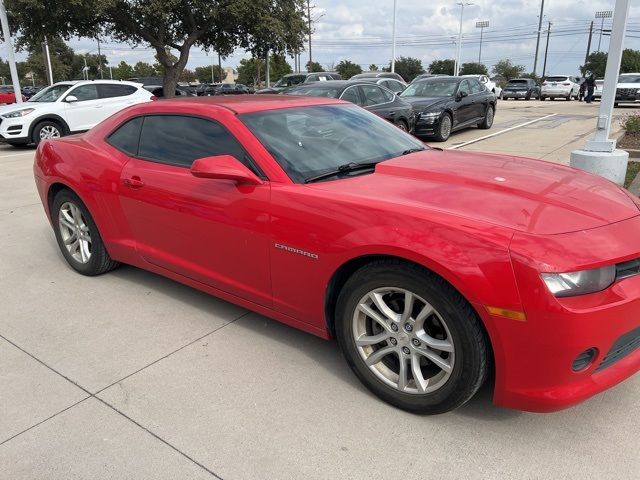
[464, 87]
[476, 86]
[394, 86]
[373, 95]
[85, 92]
[310, 141]
[179, 140]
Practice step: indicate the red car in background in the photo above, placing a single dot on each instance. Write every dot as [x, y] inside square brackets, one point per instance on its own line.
[7, 95]
[433, 269]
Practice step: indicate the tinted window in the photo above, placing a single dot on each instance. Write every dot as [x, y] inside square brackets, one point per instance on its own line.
[85, 92]
[476, 87]
[464, 87]
[388, 96]
[394, 86]
[351, 95]
[109, 91]
[179, 140]
[126, 137]
[372, 95]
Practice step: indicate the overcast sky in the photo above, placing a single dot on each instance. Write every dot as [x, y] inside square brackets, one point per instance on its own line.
[360, 31]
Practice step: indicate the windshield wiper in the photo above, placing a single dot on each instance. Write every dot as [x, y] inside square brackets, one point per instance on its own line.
[346, 168]
[413, 150]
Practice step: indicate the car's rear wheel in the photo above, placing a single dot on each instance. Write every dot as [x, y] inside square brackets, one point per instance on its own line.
[411, 338]
[78, 237]
[487, 122]
[45, 130]
[444, 128]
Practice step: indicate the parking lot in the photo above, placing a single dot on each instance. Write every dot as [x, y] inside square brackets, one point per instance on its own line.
[135, 376]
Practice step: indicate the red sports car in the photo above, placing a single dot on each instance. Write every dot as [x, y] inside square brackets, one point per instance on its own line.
[434, 270]
[7, 95]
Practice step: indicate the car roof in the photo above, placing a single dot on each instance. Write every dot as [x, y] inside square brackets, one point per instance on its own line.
[243, 103]
[90, 82]
[306, 74]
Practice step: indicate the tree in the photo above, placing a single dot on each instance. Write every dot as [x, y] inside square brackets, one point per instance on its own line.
[373, 67]
[187, 76]
[203, 74]
[123, 71]
[630, 61]
[278, 67]
[143, 69]
[93, 62]
[61, 57]
[407, 67]
[473, 68]
[596, 63]
[169, 25]
[442, 67]
[348, 69]
[248, 71]
[507, 70]
[314, 67]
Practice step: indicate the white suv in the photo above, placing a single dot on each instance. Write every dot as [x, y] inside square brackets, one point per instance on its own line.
[65, 108]
[628, 88]
[488, 83]
[560, 86]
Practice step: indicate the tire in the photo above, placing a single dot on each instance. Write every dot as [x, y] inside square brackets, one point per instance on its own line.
[77, 220]
[615, 104]
[402, 125]
[46, 129]
[444, 128]
[451, 324]
[489, 116]
[542, 99]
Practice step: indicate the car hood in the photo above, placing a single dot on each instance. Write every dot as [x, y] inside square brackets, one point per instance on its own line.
[15, 106]
[629, 85]
[422, 103]
[518, 193]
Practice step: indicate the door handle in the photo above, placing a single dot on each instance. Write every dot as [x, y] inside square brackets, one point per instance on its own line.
[133, 182]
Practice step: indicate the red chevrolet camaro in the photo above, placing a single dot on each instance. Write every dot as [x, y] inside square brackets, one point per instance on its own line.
[432, 269]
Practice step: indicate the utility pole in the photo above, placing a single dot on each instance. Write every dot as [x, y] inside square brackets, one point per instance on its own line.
[459, 54]
[99, 58]
[220, 67]
[110, 72]
[45, 51]
[546, 52]
[268, 72]
[393, 35]
[309, 20]
[12, 61]
[586, 57]
[603, 15]
[481, 25]
[535, 60]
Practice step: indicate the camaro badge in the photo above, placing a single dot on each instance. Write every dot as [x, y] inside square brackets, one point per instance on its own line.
[289, 249]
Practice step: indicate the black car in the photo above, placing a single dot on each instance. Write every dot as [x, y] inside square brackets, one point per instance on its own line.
[158, 91]
[445, 104]
[396, 86]
[295, 79]
[361, 76]
[370, 96]
[521, 88]
[422, 76]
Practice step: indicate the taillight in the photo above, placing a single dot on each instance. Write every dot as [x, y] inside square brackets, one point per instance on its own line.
[566, 84]
[153, 97]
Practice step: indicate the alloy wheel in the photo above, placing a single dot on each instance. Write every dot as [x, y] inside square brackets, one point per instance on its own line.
[49, 131]
[74, 232]
[403, 340]
[445, 127]
[489, 117]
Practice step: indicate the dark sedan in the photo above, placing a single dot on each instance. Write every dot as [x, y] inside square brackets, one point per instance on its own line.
[443, 105]
[370, 96]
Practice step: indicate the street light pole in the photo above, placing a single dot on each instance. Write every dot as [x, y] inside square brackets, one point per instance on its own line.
[459, 51]
[393, 35]
[12, 61]
[600, 155]
[546, 52]
[603, 15]
[535, 60]
[481, 25]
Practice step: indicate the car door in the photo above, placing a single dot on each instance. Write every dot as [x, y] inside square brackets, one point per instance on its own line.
[115, 97]
[213, 231]
[480, 100]
[86, 111]
[375, 100]
[464, 109]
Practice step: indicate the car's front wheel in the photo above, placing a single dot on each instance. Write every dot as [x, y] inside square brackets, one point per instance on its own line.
[78, 237]
[443, 132]
[411, 338]
[45, 130]
[402, 125]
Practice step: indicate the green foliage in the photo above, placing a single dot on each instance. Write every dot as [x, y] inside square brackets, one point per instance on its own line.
[278, 67]
[123, 71]
[507, 70]
[314, 67]
[630, 61]
[373, 67]
[533, 76]
[473, 68]
[187, 76]
[631, 124]
[143, 69]
[252, 71]
[442, 67]
[596, 63]
[203, 74]
[348, 69]
[407, 67]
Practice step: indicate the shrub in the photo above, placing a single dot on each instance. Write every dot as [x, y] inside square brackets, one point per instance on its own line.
[632, 124]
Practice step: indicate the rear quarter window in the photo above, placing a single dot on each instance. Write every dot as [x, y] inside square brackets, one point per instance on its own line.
[125, 138]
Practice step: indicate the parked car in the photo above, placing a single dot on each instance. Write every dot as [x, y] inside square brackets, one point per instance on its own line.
[433, 269]
[8, 95]
[396, 86]
[158, 91]
[29, 91]
[560, 86]
[67, 107]
[443, 105]
[394, 75]
[597, 92]
[628, 88]
[294, 79]
[422, 76]
[521, 88]
[368, 95]
[489, 84]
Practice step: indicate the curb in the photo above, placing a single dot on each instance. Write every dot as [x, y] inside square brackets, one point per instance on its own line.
[634, 188]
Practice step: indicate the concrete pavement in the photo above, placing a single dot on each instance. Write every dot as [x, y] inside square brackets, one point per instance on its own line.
[130, 375]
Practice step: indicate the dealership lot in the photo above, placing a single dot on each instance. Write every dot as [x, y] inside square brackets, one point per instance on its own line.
[135, 376]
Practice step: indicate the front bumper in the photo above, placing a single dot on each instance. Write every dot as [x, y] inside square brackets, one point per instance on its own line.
[535, 358]
[514, 93]
[14, 130]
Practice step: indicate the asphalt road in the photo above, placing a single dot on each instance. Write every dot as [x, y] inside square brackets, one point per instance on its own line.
[130, 375]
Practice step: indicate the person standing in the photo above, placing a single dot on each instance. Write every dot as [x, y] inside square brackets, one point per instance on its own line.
[591, 86]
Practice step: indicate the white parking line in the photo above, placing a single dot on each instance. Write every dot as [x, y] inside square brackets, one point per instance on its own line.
[502, 131]
[18, 154]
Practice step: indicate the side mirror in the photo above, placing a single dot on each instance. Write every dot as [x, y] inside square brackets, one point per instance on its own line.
[461, 95]
[71, 99]
[224, 167]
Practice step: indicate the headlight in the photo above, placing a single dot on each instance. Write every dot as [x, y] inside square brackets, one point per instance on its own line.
[430, 114]
[579, 283]
[18, 113]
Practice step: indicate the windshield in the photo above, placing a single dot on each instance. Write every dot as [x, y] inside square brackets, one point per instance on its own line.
[50, 94]
[432, 88]
[629, 79]
[289, 81]
[320, 91]
[310, 141]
